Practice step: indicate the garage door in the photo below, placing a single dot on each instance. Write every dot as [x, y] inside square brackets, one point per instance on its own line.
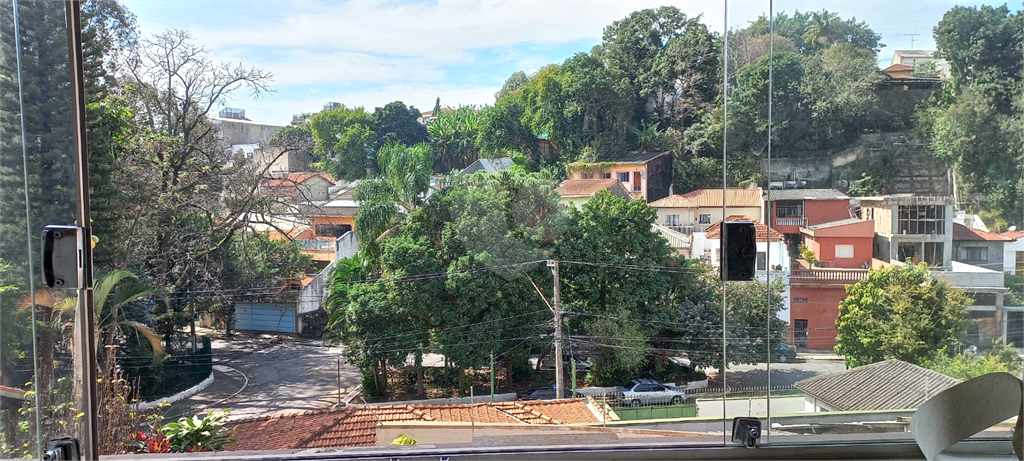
[265, 317]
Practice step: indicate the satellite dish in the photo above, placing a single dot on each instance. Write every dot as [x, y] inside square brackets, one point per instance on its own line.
[1011, 228]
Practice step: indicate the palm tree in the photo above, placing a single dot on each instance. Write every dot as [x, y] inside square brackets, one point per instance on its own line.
[386, 199]
[822, 28]
[111, 294]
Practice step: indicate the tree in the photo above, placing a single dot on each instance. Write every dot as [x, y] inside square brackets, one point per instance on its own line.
[385, 200]
[396, 122]
[670, 60]
[792, 116]
[982, 44]
[613, 232]
[453, 135]
[345, 141]
[795, 27]
[512, 85]
[298, 139]
[839, 85]
[900, 312]
[821, 28]
[502, 131]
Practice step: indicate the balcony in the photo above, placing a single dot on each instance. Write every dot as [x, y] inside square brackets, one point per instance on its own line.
[827, 276]
[801, 221]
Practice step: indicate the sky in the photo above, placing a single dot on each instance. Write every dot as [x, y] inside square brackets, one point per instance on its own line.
[368, 53]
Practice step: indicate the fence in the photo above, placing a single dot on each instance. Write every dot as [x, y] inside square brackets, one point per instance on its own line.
[744, 392]
[688, 410]
[181, 372]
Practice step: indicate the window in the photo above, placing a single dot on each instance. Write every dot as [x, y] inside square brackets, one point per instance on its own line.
[974, 253]
[624, 177]
[800, 300]
[761, 261]
[933, 254]
[606, 175]
[704, 219]
[587, 176]
[922, 219]
[672, 220]
[844, 251]
[789, 211]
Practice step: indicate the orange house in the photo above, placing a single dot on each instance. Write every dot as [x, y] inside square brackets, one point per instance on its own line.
[845, 249]
[646, 175]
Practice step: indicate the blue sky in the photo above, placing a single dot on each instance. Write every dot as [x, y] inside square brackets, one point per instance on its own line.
[368, 53]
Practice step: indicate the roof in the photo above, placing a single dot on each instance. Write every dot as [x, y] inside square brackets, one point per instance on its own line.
[8, 392]
[343, 427]
[806, 194]
[586, 187]
[1014, 235]
[734, 197]
[639, 158]
[962, 232]
[488, 165]
[673, 201]
[355, 426]
[915, 53]
[841, 222]
[715, 231]
[291, 179]
[889, 385]
[898, 68]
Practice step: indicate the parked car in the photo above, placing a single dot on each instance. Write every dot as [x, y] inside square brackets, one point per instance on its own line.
[639, 392]
[784, 353]
[547, 393]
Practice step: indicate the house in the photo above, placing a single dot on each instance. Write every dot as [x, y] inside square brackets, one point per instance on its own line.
[579, 191]
[770, 244]
[647, 175]
[978, 247]
[912, 58]
[844, 244]
[911, 227]
[793, 209]
[920, 229]
[844, 248]
[899, 71]
[234, 129]
[695, 211]
[888, 385]
[427, 423]
[487, 165]
[299, 187]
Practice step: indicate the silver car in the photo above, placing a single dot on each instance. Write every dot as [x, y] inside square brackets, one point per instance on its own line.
[649, 392]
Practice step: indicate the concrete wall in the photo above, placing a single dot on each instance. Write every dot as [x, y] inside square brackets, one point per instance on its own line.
[1010, 259]
[824, 249]
[994, 260]
[821, 309]
[234, 131]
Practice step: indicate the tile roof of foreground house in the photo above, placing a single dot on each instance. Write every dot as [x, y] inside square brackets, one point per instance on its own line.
[355, 426]
[889, 385]
[806, 194]
[588, 187]
[715, 230]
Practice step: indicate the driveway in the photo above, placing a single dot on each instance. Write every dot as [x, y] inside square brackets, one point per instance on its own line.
[256, 375]
[783, 374]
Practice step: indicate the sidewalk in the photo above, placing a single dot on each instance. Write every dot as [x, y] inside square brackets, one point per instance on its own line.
[819, 355]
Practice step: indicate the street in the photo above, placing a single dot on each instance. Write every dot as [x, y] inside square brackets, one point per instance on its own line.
[782, 374]
[257, 375]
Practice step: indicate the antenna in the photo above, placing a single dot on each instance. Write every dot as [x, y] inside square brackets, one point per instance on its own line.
[911, 39]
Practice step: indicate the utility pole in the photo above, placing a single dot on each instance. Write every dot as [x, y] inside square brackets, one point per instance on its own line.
[559, 385]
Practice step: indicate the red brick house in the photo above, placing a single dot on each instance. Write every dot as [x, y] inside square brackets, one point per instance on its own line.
[793, 209]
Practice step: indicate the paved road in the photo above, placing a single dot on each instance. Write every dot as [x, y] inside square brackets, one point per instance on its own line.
[782, 374]
[258, 375]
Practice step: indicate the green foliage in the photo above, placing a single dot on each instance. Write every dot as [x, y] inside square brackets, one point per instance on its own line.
[965, 365]
[808, 255]
[403, 440]
[299, 139]
[344, 140]
[824, 28]
[502, 129]
[900, 312]
[385, 200]
[982, 44]
[199, 434]
[395, 122]
[453, 135]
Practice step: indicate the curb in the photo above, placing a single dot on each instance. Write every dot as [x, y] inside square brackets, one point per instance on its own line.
[176, 397]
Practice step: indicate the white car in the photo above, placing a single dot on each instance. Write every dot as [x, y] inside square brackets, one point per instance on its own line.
[649, 392]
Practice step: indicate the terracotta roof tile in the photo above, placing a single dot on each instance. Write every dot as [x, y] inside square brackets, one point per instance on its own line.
[715, 230]
[734, 197]
[343, 427]
[1014, 235]
[897, 68]
[673, 201]
[962, 232]
[584, 187]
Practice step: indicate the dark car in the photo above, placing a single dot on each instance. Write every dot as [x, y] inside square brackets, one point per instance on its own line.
[547, 393]
[784, 353]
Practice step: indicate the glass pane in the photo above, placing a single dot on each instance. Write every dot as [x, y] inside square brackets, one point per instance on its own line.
[37, 188]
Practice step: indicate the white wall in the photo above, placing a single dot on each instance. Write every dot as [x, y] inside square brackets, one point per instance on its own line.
[1010, 250]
